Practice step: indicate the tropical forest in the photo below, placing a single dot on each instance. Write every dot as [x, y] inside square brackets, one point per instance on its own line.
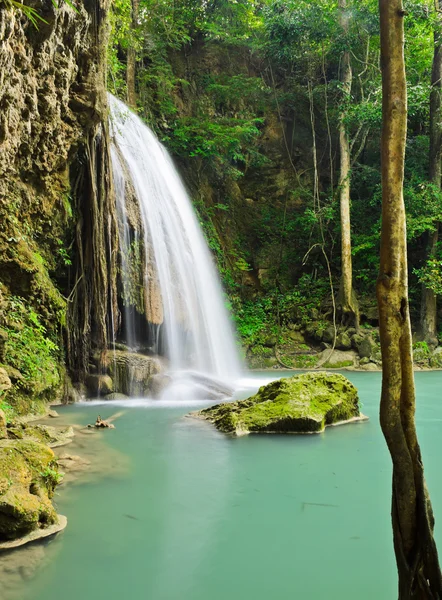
[220, 219]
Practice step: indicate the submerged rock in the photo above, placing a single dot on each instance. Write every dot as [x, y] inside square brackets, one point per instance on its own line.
[305, 403]
[28, 476]
[45, 434]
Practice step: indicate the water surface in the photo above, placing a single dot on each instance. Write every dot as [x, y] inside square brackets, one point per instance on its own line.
[200, 516]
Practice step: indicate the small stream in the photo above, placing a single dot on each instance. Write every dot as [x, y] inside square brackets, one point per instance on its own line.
[195, 515]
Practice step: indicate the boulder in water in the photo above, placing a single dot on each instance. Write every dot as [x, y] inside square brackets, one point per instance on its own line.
[305, 403]
[132, 372]
[99, 384]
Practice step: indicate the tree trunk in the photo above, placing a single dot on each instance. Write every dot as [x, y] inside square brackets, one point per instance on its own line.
[412, 516]
[131, 60]
[428, 324]
[347, 300]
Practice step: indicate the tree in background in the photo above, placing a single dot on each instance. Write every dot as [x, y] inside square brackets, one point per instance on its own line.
[348, 301]
[412, 515]
[428, 319]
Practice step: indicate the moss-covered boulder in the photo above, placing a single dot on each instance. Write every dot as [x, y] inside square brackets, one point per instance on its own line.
[28, 476]
[305, 403]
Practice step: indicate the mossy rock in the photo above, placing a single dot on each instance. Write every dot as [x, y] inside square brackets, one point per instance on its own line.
[3, 432]
[28, 476]
[305, 403]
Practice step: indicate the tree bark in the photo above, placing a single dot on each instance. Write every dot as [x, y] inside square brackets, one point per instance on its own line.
[428, 321]
[412, 516]
[131, 60]
[347, 300]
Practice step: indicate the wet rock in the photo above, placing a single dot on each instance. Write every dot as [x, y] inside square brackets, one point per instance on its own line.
[343, 342]
[157, 384]
[99, 384]
[364, 344]
[328, 335]
[270, 341]
[53, 414]
[369, 366]
[5, 382]
[13, 374]
[338, 359]
[314, 332]
[132, 372]
[45, 434]
[296, 336]
[305, 403]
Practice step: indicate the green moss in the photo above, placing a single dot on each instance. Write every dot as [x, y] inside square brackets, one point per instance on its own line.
[33, 359]
[25, 487]
[338, 365]
[303, 403]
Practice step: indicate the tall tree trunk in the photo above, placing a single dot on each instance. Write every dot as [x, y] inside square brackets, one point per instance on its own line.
[428, 307]
[131, 60]
[412, 516]
[347, 301]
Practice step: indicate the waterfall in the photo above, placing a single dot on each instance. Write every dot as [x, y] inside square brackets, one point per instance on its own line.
[186, 319]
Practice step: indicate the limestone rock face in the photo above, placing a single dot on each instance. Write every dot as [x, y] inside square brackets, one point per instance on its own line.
[5, 382]
[305, 403]
[131, 372]
[338, 359]
[28, 476]
[3, 432]
[100, 384]
[51, 97]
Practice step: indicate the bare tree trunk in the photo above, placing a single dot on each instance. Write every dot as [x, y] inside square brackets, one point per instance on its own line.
[428, 322]
[131, 60]
[347, 300]
[412, 516]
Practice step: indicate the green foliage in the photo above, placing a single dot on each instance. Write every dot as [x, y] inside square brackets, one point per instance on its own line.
[29, 349]
[219, 81]
[226, 141]
[254, 321]
[431, 275]
[7, 409]
[30, 13]
[51, 477]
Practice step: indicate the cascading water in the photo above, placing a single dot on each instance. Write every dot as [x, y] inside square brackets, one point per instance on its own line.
[193, 329]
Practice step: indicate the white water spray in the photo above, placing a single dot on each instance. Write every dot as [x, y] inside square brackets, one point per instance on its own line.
[196, 329]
